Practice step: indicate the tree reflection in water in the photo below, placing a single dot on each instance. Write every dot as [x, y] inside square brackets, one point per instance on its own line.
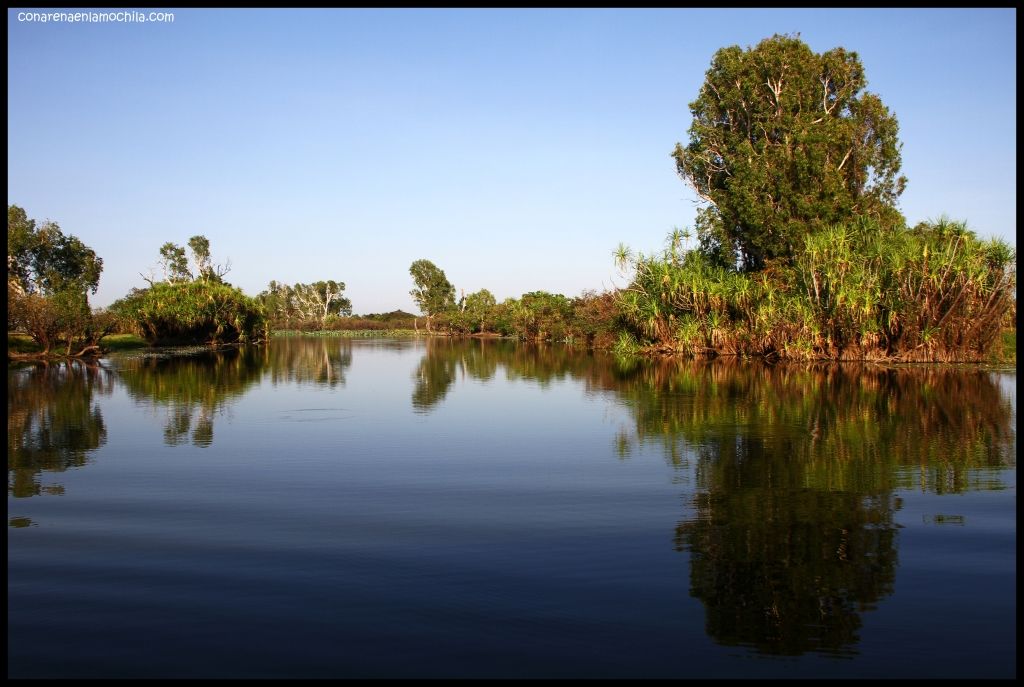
[192, 389]
[445, 360]
[319, 361]
[796, 471]
[195, 388]
[53, 421]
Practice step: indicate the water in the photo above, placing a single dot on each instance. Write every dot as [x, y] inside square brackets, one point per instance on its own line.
[375, 508]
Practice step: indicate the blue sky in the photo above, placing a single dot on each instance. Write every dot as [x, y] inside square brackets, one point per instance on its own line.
[514, 148]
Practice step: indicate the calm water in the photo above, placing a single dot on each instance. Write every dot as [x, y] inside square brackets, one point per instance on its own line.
[373, 508]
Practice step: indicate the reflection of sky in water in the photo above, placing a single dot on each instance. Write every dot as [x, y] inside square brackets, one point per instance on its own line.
[1008, 387]
[493, 525]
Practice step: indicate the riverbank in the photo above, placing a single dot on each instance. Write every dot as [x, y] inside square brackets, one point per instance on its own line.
[22, 347]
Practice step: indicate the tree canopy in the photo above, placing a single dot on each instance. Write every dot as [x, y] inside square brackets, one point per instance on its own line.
[316, 301]
[785, 141]
[174, 262]
[43, 260]
[49, 278]
[191, 308]
[192, 312]
[433, 293]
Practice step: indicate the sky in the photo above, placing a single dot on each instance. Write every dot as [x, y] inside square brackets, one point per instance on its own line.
[513, 148]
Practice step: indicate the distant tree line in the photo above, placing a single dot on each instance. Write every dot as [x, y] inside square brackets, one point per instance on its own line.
[801, 251]
[590, 319]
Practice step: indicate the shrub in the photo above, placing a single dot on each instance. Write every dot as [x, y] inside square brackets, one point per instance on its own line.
[197, 312]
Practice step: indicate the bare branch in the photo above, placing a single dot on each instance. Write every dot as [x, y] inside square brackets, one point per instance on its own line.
[847, 157]
[689, 180]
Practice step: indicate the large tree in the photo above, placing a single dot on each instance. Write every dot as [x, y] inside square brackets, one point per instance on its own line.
[433, 293]
[783, 141]
[49, 278]
[43, 260]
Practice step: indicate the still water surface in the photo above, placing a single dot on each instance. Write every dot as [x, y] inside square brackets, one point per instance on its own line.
[384, 508]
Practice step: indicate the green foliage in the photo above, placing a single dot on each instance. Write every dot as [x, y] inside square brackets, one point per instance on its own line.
[784, 142]
[21, 343]
[596, 320]
[175, 264]
[123, 342]
[278, 304]
[476, 313]
[45, 261]
[46, 319]
[49, 278]
[187, 309]
[539, 316]
[590, 320]
[626, 345]
[395, 316]
[1006, 353]
[192, 312]
[200, 246]
[851, 292]
[305, 306]
[433, 294]
[21, 241]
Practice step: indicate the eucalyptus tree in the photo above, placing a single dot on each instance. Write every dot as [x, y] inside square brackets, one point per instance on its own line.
[433, 293]
[205, 269]
[279, 304]
[174, 263]
[313, 302]
[320, 300]
[783, 142]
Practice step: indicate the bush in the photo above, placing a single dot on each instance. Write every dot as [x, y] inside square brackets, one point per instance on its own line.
[197, 312]
[852, 292]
